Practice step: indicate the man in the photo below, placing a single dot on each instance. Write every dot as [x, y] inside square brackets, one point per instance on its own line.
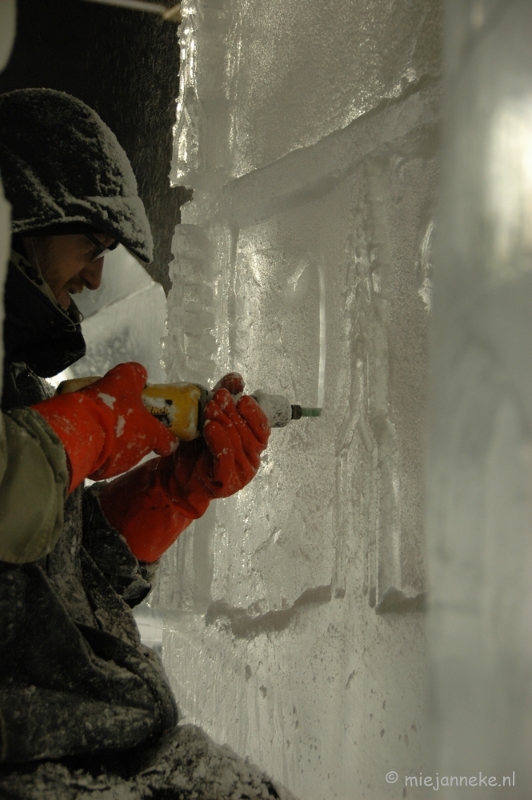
[74, 677]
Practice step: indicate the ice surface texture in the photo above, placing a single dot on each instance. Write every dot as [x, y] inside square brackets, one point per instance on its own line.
[479, 510]
[309, 133]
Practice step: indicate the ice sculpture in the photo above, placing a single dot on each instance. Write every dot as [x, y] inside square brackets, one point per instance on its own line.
[480, 516]
[308, 132]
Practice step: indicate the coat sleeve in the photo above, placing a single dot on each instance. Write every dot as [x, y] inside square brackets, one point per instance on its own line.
[130, 578]
[33, 486]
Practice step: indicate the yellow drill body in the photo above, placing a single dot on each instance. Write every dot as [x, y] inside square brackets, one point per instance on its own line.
[179, 406]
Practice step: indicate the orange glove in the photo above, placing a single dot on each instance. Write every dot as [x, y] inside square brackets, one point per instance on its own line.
[105, 427]
[153, 504]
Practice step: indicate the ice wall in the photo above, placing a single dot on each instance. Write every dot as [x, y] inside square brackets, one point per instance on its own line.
[308, 132]
[480, 480]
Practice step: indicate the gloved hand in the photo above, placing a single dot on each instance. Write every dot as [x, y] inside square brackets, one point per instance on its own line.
[105, 427]
[154, 503]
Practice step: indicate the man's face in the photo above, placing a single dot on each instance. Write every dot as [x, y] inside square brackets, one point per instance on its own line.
[66, 263]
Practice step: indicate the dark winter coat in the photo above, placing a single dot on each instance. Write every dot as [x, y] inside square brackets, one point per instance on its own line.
[74, 676]
[84, 706]
[63, 172]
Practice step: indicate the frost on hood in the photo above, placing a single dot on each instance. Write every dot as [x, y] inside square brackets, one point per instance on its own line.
[61, 165]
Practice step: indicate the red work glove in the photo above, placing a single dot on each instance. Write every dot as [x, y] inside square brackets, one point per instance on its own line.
[105, 427]
[154, 503]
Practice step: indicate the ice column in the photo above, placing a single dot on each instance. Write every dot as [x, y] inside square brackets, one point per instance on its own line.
[480, 478]
[308, 132]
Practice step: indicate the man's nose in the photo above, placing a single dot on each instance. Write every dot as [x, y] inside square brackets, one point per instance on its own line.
[92, 274]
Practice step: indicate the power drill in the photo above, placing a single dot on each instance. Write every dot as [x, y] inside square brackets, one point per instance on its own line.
[180, 406]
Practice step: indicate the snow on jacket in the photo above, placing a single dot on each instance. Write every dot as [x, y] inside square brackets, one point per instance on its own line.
[62, 168]
[74, 676]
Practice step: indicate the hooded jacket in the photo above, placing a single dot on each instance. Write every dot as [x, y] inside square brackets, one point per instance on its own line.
[63, 171]
[74, 676]
[62, 166]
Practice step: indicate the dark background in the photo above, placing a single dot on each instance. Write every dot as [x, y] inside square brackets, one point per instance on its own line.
[125, 64]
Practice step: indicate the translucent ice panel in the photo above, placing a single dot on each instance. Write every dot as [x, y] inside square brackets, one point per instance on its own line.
[293, 73]
[124, 319]
[480, 478]
[315, 66]
[309, 135]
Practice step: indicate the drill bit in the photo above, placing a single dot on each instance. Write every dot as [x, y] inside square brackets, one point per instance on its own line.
[299, 411]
